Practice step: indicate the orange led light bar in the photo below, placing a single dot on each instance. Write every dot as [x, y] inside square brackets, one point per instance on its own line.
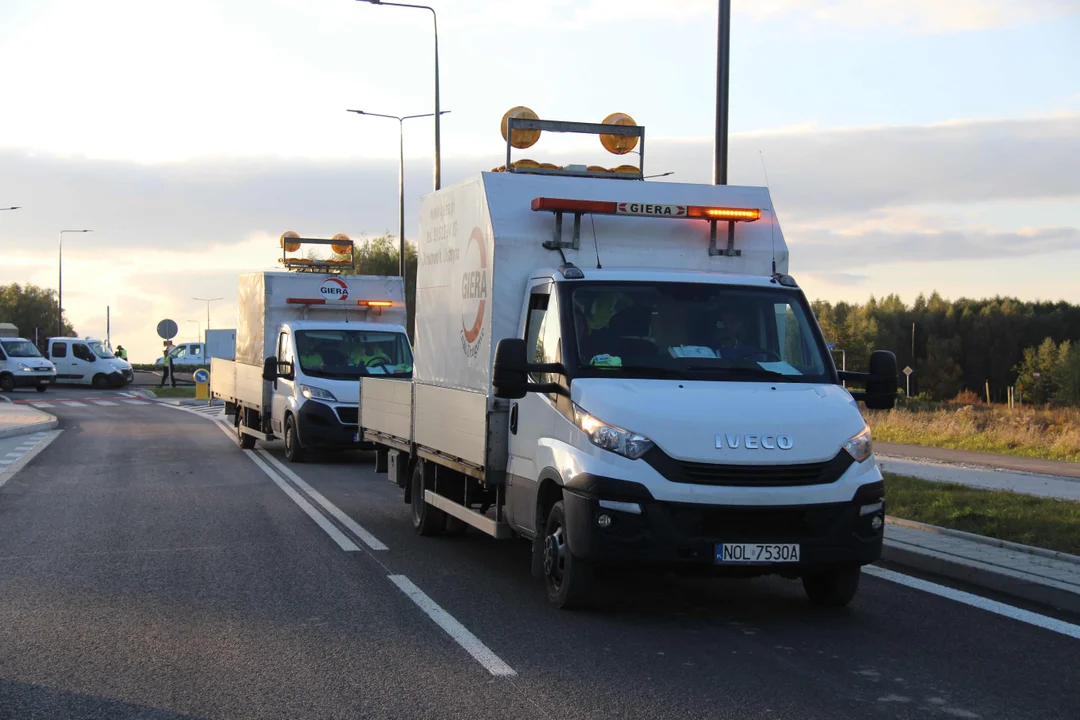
[646, 209]
[305, 301]
[375, 303]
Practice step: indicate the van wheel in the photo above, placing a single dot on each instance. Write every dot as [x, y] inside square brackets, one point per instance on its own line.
[426, 519]
[245, 441]
[294, 453]
[100, 382]
[568, 579]
[42, 388]
[833, 588]
[7, 383]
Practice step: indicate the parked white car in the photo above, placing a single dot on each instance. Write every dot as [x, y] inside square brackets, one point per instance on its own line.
[187, 354]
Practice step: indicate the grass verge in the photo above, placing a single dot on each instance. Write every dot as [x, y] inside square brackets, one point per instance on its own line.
[1042, 522]
[1050, 434]
[174, 392]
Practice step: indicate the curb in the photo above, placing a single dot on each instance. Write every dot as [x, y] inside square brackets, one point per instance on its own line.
[1019, 585]
[40, 426]
[984, 540]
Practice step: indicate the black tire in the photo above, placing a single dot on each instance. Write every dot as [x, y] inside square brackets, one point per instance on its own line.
[426, 519]
[100, 382]
[245, 441]
[567, 579]
[832, 588]
[7, 383]
[294, 452]
[42, 388]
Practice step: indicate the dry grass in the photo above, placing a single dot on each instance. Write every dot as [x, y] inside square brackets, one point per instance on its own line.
[1044, 433]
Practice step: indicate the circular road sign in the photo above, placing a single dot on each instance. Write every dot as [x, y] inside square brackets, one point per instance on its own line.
[167, 329]
[202, 376]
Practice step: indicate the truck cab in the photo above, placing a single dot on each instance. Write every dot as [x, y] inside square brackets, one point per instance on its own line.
[317, 388]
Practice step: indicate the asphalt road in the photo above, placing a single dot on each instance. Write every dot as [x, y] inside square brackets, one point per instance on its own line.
[151, 569]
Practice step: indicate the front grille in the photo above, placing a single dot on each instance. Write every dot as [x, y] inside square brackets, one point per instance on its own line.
[697, 473]
[42, 369]
[349, 415]
[749, 522]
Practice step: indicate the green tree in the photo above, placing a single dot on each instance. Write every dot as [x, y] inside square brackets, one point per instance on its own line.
[1068, 379]
[942, 376]
[1039, 372]
[29, 307]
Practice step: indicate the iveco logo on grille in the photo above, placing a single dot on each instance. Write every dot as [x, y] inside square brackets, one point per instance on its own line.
[735, 441]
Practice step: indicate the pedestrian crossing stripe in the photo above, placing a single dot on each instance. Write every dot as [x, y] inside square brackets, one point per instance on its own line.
[42, 404]
[103, 402]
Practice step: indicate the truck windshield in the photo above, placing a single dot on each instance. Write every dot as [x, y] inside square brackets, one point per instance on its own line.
[351, 354]
[20, 348]
[696, 331]
[101, 351]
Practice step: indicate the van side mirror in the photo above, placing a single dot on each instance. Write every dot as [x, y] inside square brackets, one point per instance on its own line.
[508, 376]
[881, 381]
[285, 370]
[270, 369]
[881, 386]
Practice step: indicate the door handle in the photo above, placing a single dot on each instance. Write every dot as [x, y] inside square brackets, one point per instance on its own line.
[513, 418]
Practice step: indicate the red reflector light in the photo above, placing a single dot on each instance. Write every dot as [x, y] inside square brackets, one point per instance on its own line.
[305, 301]
[580, 206]
[375, 303]
[720, 213]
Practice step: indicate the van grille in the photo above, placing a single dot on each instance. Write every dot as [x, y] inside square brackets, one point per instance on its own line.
[696, 473]
[348, 415]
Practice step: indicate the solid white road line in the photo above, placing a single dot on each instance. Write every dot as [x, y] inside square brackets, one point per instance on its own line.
[328, 527]
[461, 635]
[125, 394]
[370, 540]
[998, 608]
[9, 469]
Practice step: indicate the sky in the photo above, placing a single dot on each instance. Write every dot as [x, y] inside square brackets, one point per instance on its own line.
[910, 145]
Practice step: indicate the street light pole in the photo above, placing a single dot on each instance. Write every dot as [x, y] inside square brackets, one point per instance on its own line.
[11, 208]
[723, 66]
[60, 283]
[401, 176]
[207, 301]
[435, 21]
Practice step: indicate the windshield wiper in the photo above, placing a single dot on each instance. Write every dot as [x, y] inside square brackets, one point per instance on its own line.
[741, 370]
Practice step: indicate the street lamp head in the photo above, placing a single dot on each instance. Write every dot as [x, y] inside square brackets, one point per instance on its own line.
[17, 207]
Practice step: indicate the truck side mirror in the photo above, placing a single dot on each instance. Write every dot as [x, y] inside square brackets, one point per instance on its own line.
[508, 377]
[882, 383]
[285, 370]
[270, 369]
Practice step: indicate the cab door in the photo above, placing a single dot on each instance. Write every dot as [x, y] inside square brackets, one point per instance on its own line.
[61, 357]
[284, 388]
[532, 417]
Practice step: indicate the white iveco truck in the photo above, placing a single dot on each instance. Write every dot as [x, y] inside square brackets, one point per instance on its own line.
[304, 339]
[646, 389]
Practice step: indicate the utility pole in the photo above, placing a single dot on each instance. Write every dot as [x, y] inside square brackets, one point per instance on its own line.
[723, 65]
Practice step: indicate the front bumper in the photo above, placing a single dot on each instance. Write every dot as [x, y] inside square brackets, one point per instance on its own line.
[684, 535]
[323, 427]
[34, 379]
[129, 376]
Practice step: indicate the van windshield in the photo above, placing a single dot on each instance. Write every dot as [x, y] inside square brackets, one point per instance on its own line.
[100, 350]
[696, 331]
[20, 348]
[352, 354]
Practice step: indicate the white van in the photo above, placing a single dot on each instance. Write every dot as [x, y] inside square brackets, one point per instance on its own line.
[86, 361]
[21, 365]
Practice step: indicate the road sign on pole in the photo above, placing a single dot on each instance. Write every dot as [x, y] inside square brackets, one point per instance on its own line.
[202, 384]
[907, 373]
[167, 329]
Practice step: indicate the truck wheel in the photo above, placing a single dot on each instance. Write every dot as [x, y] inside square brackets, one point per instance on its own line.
[294, 453]
[832, 588]
[245, 441]
[100, 382]
[7, 383]
[568, 580]
[426, 519]
[456, 527]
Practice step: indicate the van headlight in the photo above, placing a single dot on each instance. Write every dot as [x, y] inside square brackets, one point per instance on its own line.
[861, 446]
[609, 437]
[315, 393]
[24, 367]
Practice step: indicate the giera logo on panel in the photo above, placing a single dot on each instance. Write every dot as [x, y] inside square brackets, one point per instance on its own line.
[474, 294]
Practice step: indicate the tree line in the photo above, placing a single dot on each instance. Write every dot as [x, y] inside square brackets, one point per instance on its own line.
[958, 345]
[30, 308]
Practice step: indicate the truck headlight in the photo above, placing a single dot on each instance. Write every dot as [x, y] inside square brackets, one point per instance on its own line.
[24, 367]
[609, 437]
[861, 446]
[315, 393]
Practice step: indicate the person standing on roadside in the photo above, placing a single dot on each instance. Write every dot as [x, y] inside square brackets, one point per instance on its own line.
[167, 365]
